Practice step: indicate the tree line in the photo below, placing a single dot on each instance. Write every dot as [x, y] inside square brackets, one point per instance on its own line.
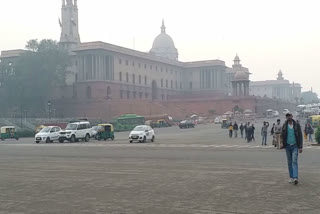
[26, 83]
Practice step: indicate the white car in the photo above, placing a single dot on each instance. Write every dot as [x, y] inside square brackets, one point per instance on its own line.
[142, 134]
[285, 111]
[76, 131]
[48, 134]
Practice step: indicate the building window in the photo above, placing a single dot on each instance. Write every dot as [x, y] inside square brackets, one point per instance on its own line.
[139, 79]
[176, 84]
[145, 80]
[162, 96]
[150, 67]
[190, 85]
[161, 69]
[133, 64]
[145, 66]
[134, 78]
[128, 94]
[146, 95]
[89, 92]
[134, 94]
[140, 95]
[139, 65]
[127, 63]
[121, 94]
[120, 76]
[161, 83]
[156, 68]
[180, 85]
[166, 83]
[127, 77]
[171, 84]
[120, 61]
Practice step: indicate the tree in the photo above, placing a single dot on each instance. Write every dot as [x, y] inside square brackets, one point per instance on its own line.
[309, 97]
[36, 73]
[317, 135]
[212, 111]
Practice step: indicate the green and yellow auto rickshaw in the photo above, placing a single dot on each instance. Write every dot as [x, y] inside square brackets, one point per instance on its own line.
[224, 124]
[8, 132]
[105, 132]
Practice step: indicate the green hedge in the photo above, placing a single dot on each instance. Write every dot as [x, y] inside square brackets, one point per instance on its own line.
[26, 133]
[318, 135]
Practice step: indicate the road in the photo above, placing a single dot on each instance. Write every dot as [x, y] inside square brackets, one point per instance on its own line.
[185, 171]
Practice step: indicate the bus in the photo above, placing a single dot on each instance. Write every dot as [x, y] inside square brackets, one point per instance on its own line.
[127, 122]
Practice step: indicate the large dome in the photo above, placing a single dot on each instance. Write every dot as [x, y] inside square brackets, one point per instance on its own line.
[241, 76]
[163, 45]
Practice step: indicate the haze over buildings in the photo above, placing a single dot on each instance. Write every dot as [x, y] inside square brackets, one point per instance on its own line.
[268, 35]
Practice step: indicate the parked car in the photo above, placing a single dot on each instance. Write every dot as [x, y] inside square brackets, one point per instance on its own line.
[285, 111]
[217, 120]
[76, 131]
[48, 134]
[186, 124]
[142, 134]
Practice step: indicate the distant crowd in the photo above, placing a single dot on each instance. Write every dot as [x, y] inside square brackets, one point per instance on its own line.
[247, 131]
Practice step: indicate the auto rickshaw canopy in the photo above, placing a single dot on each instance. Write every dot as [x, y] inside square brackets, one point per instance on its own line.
[7, 129]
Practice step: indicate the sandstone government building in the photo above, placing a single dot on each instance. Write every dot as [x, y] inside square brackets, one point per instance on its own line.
[106, 80]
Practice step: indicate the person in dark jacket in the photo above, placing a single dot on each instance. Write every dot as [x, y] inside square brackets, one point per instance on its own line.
[235, 129]
[241, 130]
[293, 143]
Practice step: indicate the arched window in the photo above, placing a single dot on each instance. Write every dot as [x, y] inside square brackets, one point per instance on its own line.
[88, 92]
[108, 92]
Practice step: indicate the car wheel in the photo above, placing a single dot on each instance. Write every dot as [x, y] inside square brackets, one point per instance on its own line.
[61, 141]
[153, 138]
[48, 140]
[87, 138]
[112, 138]
[130, 141]
[73, 139]
[37, 141]
[2, 139]
[144, 139]
[17, 138]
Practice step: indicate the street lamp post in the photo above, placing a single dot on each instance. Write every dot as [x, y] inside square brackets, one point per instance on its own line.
[49, 109]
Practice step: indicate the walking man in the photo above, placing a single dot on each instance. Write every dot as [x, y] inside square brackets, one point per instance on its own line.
[293, 143]
[277, 131]
[310, 132]
[230, 130]
[235, 129]
[264, 132]
[241, 130]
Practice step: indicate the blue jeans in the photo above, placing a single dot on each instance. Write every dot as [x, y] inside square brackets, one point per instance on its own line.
[310, 138]
[292, 157]
[264, 138]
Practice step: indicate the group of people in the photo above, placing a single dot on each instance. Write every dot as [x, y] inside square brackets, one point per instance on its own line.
[246, 131]
[286, 136]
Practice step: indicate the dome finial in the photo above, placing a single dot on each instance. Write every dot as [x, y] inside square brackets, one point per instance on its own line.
[163, 27]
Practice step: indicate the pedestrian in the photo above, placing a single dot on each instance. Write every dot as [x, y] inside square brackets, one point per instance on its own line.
[245, 131]
[230, 130]
[292, 142]
[310, 132]
[241, 130]
[252, 132]
[249, 131]
[273, 135]
[264, 132]
[235, 129]
[305, 132]
[277, 132]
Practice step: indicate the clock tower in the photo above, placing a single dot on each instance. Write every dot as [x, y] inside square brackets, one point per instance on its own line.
[69, 24]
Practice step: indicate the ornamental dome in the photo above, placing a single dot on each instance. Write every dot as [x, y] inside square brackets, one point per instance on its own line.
[241, 76]
[163, 45]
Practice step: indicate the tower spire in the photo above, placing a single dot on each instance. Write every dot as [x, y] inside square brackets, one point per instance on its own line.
[163, 27]
[63, 2]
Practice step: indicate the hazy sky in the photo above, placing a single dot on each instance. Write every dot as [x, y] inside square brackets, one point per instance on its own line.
[268, 35]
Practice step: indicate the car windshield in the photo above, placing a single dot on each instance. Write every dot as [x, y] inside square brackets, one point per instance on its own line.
[139, 128]
[71, 127]
[45, 130]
